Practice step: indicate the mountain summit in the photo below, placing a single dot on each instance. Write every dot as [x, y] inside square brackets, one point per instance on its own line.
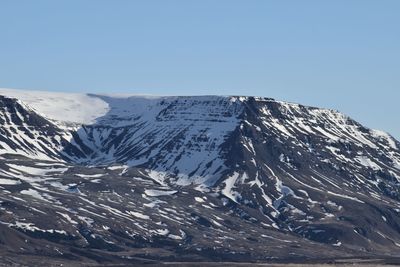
[122, 179]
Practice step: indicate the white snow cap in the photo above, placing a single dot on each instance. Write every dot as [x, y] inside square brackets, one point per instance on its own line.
[66, 107]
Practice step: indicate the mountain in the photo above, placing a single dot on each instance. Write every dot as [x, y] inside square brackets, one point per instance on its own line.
[140, 179]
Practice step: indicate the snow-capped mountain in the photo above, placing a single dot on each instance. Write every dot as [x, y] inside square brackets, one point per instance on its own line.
[124, 178]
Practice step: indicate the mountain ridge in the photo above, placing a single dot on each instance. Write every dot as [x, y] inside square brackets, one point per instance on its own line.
[159, 173]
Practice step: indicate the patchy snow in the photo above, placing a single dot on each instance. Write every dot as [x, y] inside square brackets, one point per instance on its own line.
[90, 175]
[162, 232]
[36, 171]
[67, 217]
[200, 122]
[385, 136]
[229, 185]
[285, 192]
[4, 181]
[367, 162]
[345, 196]
[33, 193]
[338, 244]
[199, 199]
[118, 167]
[32, 228]
[138, 215]
[175, 237]
[157, 193]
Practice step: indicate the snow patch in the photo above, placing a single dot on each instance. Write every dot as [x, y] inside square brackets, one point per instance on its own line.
[65, 107]
[157, 193]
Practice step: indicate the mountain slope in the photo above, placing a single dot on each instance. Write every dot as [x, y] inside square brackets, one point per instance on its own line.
[178, 136]
[317, 173]
[194, 178]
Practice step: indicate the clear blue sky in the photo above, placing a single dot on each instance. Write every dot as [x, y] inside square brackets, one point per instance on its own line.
[342, 54]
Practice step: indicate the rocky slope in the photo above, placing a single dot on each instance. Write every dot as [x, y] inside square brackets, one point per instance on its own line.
[138, 179]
